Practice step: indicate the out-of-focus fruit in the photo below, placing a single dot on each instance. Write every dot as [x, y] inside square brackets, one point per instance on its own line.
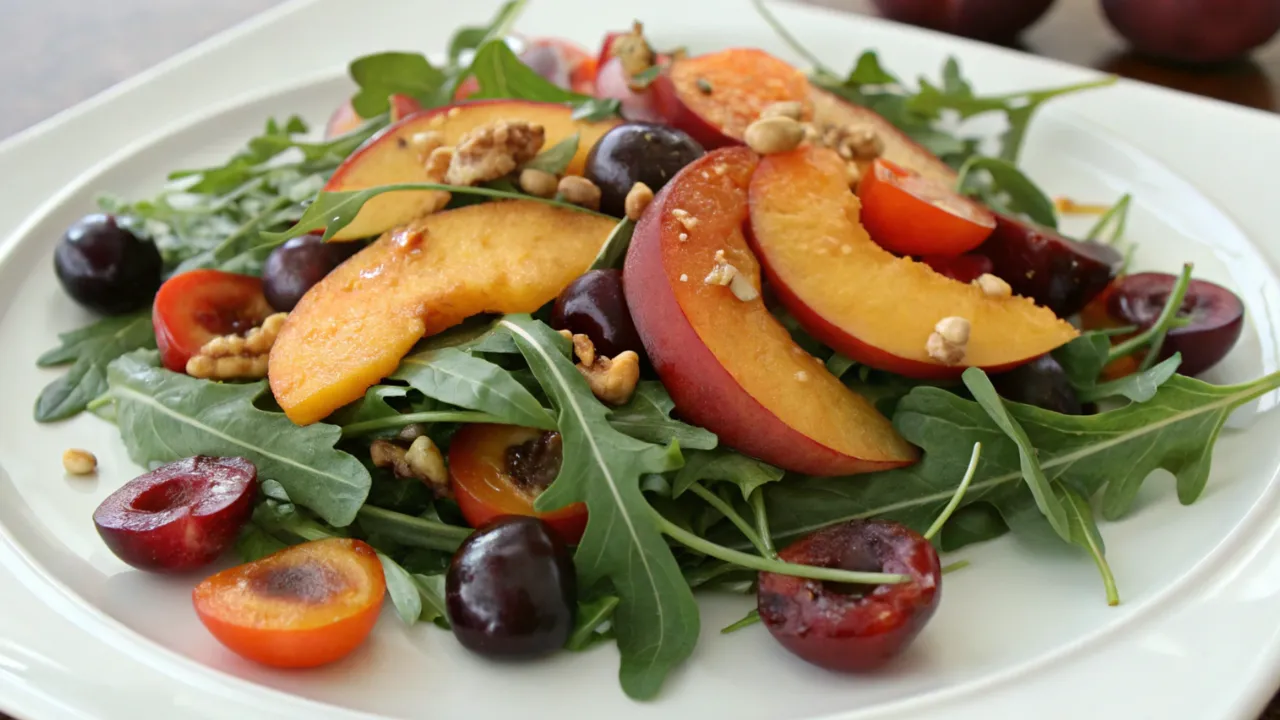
[402, 106]
[499, 470]
[559, 61]
[398, 155]
[852, 628]
[106, 268]
[596, 306]
[180, 516]
[307, 605]
[982, 19]
[295, 266]
[715, 97]
[1057, 272]
[1041, 382]
[511, 591]
[195, 307]
[613, 82]
[964, 268]
[909, 214]
[859, 298]
[1194, 30]
[730, 366]
[352, 328]
[637, 152]
[898, 148]
[343, 120]
[1213, 315]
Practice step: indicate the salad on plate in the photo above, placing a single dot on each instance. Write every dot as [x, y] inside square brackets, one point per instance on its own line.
[541, 343]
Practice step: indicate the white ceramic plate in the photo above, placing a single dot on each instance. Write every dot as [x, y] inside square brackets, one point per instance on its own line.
[1024, 632]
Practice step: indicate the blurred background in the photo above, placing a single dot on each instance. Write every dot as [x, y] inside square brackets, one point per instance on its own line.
[55, 53]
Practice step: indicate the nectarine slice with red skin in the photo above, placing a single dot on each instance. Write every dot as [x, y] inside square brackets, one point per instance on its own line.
[728, 364]
[307, 605]
[910, 214]
[354, 326]
[859, 298]
[828, 109]
[392, 157]
[343, 120]
[715, 97]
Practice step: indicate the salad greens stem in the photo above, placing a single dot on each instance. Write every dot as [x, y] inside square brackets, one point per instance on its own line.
[1154, 335]
[433, 416]
[702, 575]
[1119, 213]
[791, 40]
[754, 562]
[954, 503]
[411, 530]
[762, 524]
[957, 565]
[732, 515]
[750, 619]
[583, 634]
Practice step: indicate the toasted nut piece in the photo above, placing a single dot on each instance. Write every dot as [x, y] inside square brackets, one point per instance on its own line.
[954, 330]
[853, 175]
[491, 151]
[742, 288]
[580, 191]
[943, 351]
[437, 164]
[427, 464]
[232, 357]
[638, 199]
[386, 454]
[79, 462]
[538, 183]
[774, 135]
[852, 142]
[613, 381]
[633, 51]
[584, 349]
[789, 109]
[993, 286]
[722, 273]
[411, 432]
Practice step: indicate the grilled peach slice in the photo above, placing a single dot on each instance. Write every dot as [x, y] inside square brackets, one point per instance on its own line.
[899, 149]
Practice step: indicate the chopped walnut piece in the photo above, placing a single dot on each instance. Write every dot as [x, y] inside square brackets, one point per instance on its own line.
[235, 357]
[852, 142]
[584, 349]
[493, 150]
[993, 286]
[427, 464]
[949, 340]
[633, 52]
[789, 109]
[79, 462]
[638, 199]
[612, 380]
[722, 273]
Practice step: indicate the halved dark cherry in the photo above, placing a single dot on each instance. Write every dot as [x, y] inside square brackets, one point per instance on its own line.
[965, 268]
[1214, 317]
[853, 628]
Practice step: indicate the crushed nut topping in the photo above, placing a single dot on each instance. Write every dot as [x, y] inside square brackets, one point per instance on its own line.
[491, 151]
[802, 376]
[789, 109]
[580, 191]
[538, 183]
[993, 286]
[852, 142]
[421, 461]
[612, 380]
[684, 277]
[722, 273]
[235, 357]
[853, 175]
[742, 288]
[638, 199]
[684, 237]
[79, 462]
[776, 134]
[634, 52]
[949, 340]
[426, 143]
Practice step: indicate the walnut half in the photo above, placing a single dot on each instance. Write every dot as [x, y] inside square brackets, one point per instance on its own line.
[612, 380]
[236, 357]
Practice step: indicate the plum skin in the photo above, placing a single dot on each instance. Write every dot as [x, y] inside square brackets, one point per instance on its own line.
[859, 631]
[1196, 31]
[982, 19]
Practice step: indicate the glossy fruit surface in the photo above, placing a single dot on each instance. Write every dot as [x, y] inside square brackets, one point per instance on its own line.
[637, 152]
[595, 305]
[106, 268]
[909, 214]
[563, 62]
[511, 591]
[295, 266]
[180, 516]
[195, 307]
[1057, 272]
[1213, 316]
[983, 19]
[304, 606]
[499, 470]
[852, 628]
[612, 81]
[1194, 30]
[1042, 383]
[965, 268]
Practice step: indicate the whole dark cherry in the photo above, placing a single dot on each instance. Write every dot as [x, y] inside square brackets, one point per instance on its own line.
[637, 152]
[859, 627]
[594, 305]
[106, 268]
[1213, 317]
[294, 267]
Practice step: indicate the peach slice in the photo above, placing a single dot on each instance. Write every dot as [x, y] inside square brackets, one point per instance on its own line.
[862, 300]
[353, 327]
[391, 156]
[728, 364]
[828, 109]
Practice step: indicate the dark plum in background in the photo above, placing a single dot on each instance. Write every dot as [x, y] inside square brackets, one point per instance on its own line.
[106, 268]
[1194, 31]
[1214, 317]
[594, 305]
[982, 19]
[1041, 382]
[294, 267]
[637, 152]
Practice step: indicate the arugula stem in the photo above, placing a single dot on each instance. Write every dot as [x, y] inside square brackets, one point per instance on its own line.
[762, 524]
[727, 510]
[105, 398]
[702, 575]
[399, 421]
[791, 40]
[1154, 335]
[958, 495]
[755, 562]
[957, 565]
[750, 619]
[414, 531]
[581, 637]
[1119, 213]
[1039, 96]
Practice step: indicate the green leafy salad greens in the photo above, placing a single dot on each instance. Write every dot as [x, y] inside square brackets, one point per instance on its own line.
[671, 510]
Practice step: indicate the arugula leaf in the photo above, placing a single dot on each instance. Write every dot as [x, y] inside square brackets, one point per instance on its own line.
[410, 530]
[1083, 358]
[556, 158]
[597, 109]
[657, 619]
[431, 592]
[1007, 189]
[385, 74]
[254, 544]
[165, 416]
[838, 365]
[647, 417]
[869, 71]
[726, 466]
[470, 38]
[458, 378]
[501, 74]
[978, 522]
[373, 406]
[478, 335]
[1138, 387]
[614, 250]
[402, 589]
[91, 348]
[592, 614]
[1085, 534]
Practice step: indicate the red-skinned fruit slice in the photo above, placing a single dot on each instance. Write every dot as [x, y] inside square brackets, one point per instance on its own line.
[715, 97]
[305, 606]
[499, 470]
[562, 62]
[180, 516]
[965, 268]
[852, 628]
[909, 214]
[1213, 315]
[195, 307]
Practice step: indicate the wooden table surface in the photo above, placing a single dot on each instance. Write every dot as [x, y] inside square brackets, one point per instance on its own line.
[65, 51]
